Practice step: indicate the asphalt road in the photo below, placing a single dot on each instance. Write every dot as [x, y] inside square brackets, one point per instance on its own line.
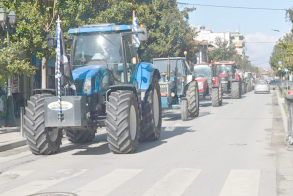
[231, 150]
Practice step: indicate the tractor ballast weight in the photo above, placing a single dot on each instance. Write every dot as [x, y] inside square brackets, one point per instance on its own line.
[208, 82]
[110, 89]
[229, 78]
[178, 87]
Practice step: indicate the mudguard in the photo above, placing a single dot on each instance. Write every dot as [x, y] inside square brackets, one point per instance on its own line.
[143, 75]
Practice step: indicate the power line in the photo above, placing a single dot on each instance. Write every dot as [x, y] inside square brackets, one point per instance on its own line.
[260, 42]
[232, 7]
[260, 57]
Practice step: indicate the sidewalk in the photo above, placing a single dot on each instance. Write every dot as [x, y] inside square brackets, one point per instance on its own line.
[10, 136]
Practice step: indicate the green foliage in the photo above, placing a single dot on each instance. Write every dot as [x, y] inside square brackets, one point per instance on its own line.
[168, 28]
[283, 50]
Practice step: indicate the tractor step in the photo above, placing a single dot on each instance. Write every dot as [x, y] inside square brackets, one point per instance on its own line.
[176, 106]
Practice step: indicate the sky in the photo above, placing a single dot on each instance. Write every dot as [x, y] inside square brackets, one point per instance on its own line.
[255, 25]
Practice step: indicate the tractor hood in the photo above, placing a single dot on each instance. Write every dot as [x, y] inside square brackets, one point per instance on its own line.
[86, 71]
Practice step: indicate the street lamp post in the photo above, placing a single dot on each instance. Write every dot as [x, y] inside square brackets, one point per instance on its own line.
[6, 21]
[185, 54]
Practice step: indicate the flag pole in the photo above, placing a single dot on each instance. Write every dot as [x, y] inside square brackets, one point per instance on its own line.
[58, 70]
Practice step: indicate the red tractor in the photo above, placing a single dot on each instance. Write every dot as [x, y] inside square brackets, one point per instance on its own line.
[205, 75]
[231, 81]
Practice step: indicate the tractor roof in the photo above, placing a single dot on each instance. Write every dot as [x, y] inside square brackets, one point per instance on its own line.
[171, 58]
[225, 63]
[204, 64]
[103, 27]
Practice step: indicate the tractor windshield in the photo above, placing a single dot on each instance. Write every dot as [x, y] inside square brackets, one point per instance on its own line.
[175, 67]
[202, 71]
[97, 49]
[224, 70]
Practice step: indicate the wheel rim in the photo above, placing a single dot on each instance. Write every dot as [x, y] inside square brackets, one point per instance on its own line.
[53, 133]
[132, 122]
[156, 106]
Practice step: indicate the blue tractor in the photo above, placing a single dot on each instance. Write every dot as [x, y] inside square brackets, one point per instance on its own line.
[111, 88]
[178, 87]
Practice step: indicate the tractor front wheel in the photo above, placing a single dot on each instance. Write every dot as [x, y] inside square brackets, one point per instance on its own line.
[122, 122]
[184, 110]
[151, 113]
[216, 97]
[40, 139]
[192, 97]
[81, 136]
[236, 90]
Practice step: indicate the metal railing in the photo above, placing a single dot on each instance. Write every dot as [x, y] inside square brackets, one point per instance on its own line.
[289, 131]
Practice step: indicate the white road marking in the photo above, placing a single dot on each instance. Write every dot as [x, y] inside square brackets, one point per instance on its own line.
[108, 183]
[242, 183]
[36, 186]
[16, 156]
[169, 129]
[13, 175]
[174, 183]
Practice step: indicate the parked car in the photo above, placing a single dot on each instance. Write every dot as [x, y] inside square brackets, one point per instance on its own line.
[262, 86]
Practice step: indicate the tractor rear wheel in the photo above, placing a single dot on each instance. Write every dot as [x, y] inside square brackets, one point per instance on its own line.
[82, 136]
[184, 110]
[192, 97]
[236, 90]
[41, 140]
[216, 97]
[151, 113]
[122, 122]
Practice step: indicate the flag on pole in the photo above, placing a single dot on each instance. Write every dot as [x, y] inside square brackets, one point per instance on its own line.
[58, 73]
[135, 39]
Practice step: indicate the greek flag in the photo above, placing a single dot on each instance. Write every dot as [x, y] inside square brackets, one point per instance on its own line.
[136, 41]
[58, 73]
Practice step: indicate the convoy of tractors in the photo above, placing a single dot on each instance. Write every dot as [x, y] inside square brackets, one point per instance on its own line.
[111, 87]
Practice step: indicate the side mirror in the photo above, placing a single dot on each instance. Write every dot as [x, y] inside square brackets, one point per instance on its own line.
[143, 34]
[50, 40]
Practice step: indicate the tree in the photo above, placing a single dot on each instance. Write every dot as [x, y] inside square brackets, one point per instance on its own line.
[223, 51]
[36, 20]
[168, 28]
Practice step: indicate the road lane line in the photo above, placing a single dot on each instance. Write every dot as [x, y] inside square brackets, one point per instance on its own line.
[174, 183]
[169, 129]
[36, 186]
[16, 156]
[108, 183]
[241, 183]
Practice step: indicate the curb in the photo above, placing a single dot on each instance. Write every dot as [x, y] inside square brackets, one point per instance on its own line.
[284, 117]
[12, 144]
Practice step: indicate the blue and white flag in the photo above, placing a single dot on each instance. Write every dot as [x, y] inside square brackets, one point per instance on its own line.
[136, 41]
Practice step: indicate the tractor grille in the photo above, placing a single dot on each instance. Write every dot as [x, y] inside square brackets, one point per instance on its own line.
[78, 85]
[163, 88]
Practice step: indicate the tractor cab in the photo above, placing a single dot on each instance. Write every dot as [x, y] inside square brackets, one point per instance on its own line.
[225, 71]
[177, 85]
[203, 75]
[101, 56]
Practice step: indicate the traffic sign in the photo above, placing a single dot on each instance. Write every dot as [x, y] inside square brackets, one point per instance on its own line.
[286, 69]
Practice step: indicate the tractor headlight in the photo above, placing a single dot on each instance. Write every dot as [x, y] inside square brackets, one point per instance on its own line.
[87, 86]
[173, 94]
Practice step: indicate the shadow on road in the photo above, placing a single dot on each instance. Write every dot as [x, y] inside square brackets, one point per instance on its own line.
[99, 145]
[166, 133]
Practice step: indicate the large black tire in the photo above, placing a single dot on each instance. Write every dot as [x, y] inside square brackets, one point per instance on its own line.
[81, 136]
[192, 97]
[41, 140]
[122, 122]
[215, 97]
[151, 113]
[236, 90]
[184, 110]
